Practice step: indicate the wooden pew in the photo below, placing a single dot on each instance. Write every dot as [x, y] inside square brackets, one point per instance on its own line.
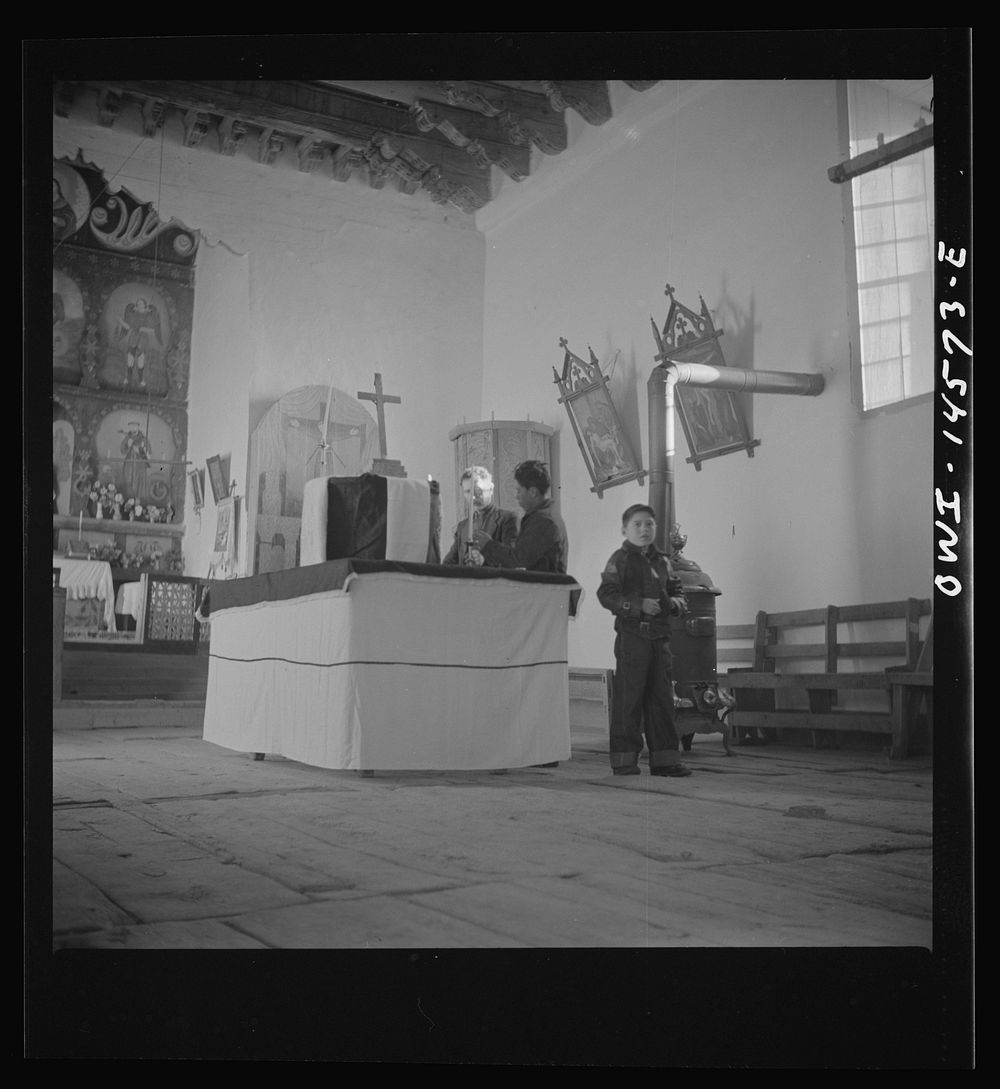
[787, 657]
[912, 692]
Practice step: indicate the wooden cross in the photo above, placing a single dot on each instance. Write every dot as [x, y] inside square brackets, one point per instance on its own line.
[380, 399]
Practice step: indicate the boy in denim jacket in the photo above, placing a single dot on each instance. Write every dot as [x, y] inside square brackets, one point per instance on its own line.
[639, 586]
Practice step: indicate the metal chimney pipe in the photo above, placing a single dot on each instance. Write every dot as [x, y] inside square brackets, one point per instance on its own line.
[660, 406]
[741, 381]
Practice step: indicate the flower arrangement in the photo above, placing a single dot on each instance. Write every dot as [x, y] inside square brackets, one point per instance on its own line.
[136, 512]
[107, 553]
[144, 557]
[107, 500]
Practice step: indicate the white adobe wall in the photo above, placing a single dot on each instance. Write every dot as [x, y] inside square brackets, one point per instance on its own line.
[300, 280]
[719, 188]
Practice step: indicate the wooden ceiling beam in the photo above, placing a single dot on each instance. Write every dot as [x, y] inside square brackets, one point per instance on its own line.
[527, 114]
[302, 110]
[590, 98]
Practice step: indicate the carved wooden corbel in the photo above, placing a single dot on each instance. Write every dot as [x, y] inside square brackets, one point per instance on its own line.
[345, 160]
[109, 106]
[310, 152]
[409, 185]
[588, 97]
[232, 133]
[460, 95]
[195, 126]
[429, 117]
[270, 146]
[378, 171]
[153, 112]
[512, 128]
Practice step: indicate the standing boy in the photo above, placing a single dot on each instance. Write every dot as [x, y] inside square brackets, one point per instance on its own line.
[639, 586]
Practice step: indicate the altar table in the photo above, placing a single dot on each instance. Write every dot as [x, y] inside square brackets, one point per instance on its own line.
[367, 664]
[88, 579]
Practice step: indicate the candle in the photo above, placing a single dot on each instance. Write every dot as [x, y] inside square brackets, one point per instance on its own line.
[80, 532]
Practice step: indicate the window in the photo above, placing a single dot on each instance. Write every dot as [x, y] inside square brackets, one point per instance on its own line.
[892, 226]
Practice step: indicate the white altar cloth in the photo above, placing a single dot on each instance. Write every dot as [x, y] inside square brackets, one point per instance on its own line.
[374, 665]
[128, 600]
[88, 578]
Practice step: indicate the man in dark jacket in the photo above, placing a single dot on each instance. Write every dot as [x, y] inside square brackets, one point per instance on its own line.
[541, 543]
[500, 525]
[639, 586]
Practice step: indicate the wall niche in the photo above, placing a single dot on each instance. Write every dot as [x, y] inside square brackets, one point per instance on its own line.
[122, 310]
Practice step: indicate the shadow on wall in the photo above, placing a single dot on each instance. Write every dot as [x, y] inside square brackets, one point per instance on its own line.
[739, 330]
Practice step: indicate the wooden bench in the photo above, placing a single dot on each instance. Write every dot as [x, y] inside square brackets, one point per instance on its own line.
[798, 657]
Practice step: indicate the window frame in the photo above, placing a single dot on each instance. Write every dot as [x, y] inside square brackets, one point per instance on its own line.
[853, 292]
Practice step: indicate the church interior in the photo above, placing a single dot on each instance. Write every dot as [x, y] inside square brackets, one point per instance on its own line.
[691, 293]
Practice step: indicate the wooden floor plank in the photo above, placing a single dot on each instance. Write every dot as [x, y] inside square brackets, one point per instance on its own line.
[783, 847]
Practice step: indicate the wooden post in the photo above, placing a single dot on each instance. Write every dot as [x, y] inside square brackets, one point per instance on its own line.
[823, 700]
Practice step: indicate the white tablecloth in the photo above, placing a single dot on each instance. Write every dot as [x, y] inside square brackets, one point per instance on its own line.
[88, 578]
[128, 600]
[394, 670]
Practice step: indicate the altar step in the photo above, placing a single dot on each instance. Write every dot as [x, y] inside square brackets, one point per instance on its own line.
[94, 673]
[111, 714]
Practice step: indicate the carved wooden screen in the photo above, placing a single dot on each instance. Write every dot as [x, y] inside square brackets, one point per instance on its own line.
[500, 446]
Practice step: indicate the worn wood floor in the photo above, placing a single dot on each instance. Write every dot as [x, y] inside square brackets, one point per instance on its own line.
[163, 843]
[162, 840]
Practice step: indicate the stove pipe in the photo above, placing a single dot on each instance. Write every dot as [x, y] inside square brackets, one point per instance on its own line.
[660, 396]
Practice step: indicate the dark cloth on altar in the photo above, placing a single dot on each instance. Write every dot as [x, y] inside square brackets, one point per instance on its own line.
[357, 518]
[333, 575]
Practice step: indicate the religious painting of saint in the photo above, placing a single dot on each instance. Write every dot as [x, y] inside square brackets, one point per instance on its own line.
[137, 449]
[602, 439]
[135, 459]
[139, 331]
[137, 327]
[712, 422]
[606, 450]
